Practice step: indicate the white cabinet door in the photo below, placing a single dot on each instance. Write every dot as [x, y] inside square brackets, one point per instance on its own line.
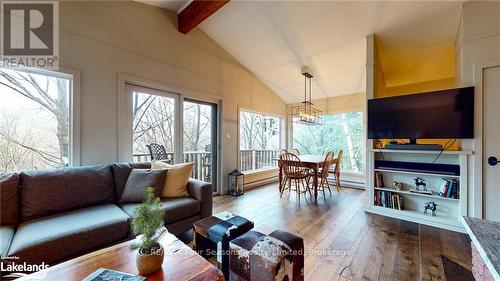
[491, 143]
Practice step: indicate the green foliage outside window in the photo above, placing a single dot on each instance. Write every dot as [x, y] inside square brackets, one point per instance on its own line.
[339, 131]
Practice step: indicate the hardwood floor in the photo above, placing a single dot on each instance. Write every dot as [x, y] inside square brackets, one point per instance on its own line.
[361, 246]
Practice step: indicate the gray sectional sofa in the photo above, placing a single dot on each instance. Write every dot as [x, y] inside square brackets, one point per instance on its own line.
[54, 215]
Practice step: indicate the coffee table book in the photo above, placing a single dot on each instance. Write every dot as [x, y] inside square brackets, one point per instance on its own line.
[103, 274]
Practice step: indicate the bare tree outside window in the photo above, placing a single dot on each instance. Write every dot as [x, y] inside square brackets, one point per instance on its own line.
[197, 126]
[154, 122]
[34, 120]
[259, 140]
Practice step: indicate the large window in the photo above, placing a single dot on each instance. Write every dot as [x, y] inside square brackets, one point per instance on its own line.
[260, 137]
[34, 120]
[338, 131]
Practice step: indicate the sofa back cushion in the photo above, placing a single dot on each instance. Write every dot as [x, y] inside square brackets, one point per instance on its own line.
[53, 191]
[121, 171]
[9, 199]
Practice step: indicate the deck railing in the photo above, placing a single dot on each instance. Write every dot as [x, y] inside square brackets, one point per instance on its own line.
[202, 162]
[249, 160]
[257, 159]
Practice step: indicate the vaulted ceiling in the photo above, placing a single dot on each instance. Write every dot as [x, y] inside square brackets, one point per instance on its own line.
[273, 39]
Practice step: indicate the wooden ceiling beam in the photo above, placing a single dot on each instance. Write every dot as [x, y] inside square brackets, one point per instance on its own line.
[196, 12]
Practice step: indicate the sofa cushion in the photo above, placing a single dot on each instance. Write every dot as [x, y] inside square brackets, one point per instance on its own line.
[121, 171]
[53, 191]
[176, 209]
[62, 236]
[6, 234]
[137, 183]
[9, 198]
[177, 178]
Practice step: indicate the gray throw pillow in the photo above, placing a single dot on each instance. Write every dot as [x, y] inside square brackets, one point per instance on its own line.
[138, 181]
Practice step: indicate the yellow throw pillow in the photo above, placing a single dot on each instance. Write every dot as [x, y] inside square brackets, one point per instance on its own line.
[176, 179]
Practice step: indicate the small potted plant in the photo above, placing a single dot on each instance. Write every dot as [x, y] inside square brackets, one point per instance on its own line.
[146, 224]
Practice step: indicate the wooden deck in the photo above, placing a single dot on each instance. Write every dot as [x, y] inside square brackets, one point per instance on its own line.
[349, 244]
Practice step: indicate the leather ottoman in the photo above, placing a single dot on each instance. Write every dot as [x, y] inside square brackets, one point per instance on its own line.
[259, 257]
[213, 234]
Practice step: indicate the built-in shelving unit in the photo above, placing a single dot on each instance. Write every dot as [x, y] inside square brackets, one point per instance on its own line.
[449, 210]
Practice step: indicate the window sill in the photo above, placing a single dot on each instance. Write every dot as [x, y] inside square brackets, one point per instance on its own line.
[258, 171]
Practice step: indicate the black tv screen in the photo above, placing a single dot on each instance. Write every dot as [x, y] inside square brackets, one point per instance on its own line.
[433, 115]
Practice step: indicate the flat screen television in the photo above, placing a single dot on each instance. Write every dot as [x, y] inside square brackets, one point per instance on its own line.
[446, 114]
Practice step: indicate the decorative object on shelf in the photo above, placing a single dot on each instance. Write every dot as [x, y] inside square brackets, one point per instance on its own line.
[397, 185]
[379, 180]
[306, 113]
[148, 222]
[378, 144]
[420, 184]
[431, 205]
[236, 180]
[421, 187]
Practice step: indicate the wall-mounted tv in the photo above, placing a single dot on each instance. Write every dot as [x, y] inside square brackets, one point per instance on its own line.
[442, 114]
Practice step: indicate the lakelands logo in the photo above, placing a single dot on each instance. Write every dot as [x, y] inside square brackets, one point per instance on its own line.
[30, 34]
[12, 269]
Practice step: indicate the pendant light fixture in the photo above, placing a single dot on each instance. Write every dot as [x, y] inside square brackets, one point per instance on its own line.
[306, 113]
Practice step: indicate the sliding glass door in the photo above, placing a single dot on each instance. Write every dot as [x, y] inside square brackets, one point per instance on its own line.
[200, 139]
[184, 129]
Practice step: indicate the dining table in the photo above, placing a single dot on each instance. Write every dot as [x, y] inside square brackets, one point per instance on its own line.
[313, 162]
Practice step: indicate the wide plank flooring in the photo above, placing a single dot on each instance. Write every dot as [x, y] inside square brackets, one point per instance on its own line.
[344, 243]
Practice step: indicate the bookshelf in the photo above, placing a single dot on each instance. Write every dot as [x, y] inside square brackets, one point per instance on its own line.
[449, 210]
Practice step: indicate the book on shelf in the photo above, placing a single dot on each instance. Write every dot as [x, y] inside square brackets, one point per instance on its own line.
[379, 180]
[389, 199]
[449, 188]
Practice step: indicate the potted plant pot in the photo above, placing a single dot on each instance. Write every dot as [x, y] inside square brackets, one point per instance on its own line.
[149, 262]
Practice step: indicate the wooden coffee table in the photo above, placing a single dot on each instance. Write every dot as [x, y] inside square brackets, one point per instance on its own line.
[180, 263]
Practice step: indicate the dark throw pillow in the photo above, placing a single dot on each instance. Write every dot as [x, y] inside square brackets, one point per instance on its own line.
[138, 181]
[9, 199]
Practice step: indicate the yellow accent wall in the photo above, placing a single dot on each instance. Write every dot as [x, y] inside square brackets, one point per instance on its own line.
[415, 70]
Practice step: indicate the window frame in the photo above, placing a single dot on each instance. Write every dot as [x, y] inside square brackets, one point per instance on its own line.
[282, 137]
[74, 106]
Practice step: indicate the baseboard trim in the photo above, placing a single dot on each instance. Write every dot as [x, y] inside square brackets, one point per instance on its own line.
[262, 182]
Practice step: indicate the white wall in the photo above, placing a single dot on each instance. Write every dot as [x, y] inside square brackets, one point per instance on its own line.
[103, 39]
[478, 43]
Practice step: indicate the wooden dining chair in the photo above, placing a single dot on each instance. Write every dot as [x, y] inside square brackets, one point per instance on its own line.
[324, 172]
[281, 152]
[336, 170]
[296, 175]
[295, 152]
